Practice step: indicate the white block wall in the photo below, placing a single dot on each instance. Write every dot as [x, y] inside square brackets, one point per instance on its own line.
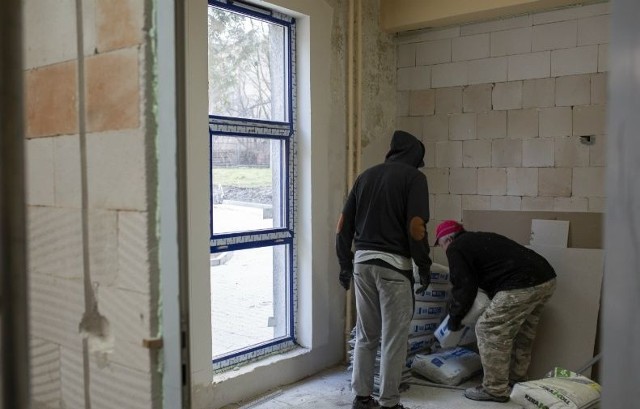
[501, 107]
[120, 240]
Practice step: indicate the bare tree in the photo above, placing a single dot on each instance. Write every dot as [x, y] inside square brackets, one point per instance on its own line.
[239, 66]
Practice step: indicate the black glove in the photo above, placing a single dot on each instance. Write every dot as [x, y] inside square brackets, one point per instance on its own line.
[454, 326]
[425, 280]
[345, 278]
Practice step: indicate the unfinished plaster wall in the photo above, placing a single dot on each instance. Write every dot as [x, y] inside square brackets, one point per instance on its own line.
[376, 66]
[91, 220]
[501, 107]
[338, 86]
[378, 86]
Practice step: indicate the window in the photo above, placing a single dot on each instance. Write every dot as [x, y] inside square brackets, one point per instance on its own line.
[252, 162]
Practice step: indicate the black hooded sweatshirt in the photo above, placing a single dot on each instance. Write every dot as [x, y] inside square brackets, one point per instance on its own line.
[492, 262]
[383, 201]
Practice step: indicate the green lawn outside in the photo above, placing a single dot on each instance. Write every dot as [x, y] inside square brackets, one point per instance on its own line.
[242, 177]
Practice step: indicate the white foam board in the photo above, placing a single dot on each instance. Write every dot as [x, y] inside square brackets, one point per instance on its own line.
[549, 233]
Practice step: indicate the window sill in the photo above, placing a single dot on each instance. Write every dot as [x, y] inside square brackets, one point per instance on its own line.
[250, 367]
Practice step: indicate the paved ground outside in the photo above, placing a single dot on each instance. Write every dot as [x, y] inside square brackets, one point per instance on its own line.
[241, 286]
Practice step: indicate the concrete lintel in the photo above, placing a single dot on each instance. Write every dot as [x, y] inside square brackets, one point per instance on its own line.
[404, 15]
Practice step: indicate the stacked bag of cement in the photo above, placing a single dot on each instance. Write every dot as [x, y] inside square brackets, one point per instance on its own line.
[416, 344]
[450, 366]
[430, 307]
[560, 389]
[429, 310]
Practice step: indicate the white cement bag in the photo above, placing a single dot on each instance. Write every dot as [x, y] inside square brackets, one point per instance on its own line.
[435, 292]
[448, 366]
[429, 309]
[477, 308]
[467, 334]
[439, 273]
[423, 327]
[561, 389]
[450, 339]
[420, 343]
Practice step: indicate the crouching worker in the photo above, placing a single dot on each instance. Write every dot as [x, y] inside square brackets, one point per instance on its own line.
[517, 280]
[385, 216]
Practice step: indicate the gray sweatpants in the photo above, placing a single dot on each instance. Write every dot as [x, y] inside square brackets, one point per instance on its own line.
[505, 333]
[384, 307]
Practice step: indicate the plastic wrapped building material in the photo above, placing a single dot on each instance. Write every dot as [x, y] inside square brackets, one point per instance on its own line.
[561, 389]
[448, 366]
[435, 292]
[429, 309]
[466, 335]
[423, 327]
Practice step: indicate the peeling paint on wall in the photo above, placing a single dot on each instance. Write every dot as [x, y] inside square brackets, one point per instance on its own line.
[97, 330]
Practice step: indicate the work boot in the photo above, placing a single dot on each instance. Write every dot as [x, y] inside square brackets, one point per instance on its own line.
[364, 402]
[512, 382]
[480, 393]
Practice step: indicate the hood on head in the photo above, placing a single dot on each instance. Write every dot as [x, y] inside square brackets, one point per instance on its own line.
[407, 149]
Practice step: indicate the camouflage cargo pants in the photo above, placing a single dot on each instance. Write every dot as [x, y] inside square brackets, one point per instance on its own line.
[505, 333]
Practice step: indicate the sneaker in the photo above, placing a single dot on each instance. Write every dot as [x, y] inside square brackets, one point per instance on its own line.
[398, 406]
[365, 403]
[480, 393]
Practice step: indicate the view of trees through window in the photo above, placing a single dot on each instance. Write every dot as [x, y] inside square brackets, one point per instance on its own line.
[251, 247]
[246, 58]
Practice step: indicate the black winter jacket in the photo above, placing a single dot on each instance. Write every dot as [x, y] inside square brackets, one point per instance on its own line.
[492, 262]
[382, 203]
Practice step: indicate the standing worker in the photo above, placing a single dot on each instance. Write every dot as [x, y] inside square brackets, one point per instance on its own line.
[385, 217]
[518, 281]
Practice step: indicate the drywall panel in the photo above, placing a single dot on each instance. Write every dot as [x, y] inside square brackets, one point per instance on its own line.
[567, 330]
[585, 229]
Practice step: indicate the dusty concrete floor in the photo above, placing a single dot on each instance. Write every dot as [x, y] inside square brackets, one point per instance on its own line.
[330, 389]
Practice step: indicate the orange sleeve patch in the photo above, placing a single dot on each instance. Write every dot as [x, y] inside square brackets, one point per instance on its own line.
[417, 228]
[340, 223]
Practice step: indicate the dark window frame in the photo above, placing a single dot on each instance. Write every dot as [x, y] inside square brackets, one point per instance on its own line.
[275, 130]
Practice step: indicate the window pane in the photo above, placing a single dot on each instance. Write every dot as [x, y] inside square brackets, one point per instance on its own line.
[247, 60]
[247, 184]
[249, 299]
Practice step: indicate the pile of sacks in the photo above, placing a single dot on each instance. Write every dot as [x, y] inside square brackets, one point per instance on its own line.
[430, 309]
[450, 363]
[414, 346]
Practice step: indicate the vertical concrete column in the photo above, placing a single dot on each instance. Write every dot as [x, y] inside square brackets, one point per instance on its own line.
[620, 323]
